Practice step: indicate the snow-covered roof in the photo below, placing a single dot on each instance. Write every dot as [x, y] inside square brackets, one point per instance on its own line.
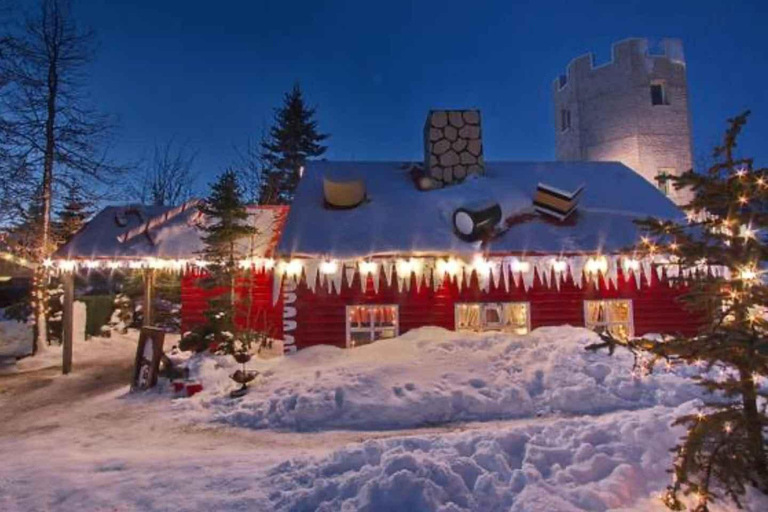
[164, 232]
[398, 218]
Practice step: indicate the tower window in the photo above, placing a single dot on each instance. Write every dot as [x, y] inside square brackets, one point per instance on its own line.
[565, 120]
[661, 179]
[659, 94]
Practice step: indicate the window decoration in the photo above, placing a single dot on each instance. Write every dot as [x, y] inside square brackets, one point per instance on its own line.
[511, 317]
[613, 316]
[369, 323]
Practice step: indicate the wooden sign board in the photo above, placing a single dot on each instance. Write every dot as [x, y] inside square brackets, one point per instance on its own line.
[148, 355]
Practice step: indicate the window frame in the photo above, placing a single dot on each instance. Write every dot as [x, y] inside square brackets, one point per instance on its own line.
[372, 329]
[565, 115]
[609, 322]
[500, 307]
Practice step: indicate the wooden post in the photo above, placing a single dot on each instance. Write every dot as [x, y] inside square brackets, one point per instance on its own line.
[68, 321]
[149, 293]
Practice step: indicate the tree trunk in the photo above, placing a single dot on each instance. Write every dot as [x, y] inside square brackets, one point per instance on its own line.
[41, 293]
[754, 426]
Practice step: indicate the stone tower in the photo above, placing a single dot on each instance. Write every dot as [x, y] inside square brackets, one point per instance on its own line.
[633, 109]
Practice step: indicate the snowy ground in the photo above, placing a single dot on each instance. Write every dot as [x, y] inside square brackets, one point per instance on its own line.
[431, 421]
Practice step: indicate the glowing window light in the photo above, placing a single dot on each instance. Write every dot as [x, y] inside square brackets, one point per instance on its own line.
[520, 266]
[329, 267]
[595, 265]
[559, 266]
[367, 267]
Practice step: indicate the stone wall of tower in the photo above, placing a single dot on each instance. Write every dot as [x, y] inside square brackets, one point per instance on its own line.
[611, 113]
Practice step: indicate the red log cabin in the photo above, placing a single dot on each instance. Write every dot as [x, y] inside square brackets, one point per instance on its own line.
[371, 250]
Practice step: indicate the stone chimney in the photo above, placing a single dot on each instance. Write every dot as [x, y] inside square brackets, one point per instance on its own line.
[453, 145]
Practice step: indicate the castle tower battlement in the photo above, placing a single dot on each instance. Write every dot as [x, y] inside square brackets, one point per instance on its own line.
[632, 109]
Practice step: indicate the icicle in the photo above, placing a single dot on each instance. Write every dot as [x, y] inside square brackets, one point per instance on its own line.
[659, 271]
[277, 282]
[336, 278]
[527, 278]
[505, 275]
[375, 277]
[636, 274]
[350, 274]
[389, 265]
[613, 270]
[577, 268]
[495, 267]
[646, 264]
[312, 268]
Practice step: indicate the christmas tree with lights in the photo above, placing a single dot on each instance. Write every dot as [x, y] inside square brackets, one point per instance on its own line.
[719, 254]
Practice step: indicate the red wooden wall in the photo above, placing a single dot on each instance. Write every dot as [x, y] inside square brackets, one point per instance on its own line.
[263, 314]
[321, 316]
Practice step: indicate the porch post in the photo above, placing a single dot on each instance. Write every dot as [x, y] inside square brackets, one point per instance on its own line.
[149, 293]
[67, 321]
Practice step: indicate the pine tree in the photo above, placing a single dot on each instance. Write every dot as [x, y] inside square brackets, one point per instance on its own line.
[225, 228]
[292, 140]
[72, 217]
[721, 254]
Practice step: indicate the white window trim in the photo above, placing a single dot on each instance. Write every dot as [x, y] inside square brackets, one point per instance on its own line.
[371, 328]
[609, 323]
[499, 304]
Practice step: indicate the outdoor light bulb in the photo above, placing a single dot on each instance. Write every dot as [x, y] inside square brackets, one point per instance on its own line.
[329, 267]
[48, 263]
[741, 173]
[482, 267]
[760, 182]
[269, 263]
[631, 264]
[559, 265]
[67, 265]
[520, 266]
[673, 246]
[595, 265]
[367, 267]
[743, 200]
[450, 267]
[748, 274]
[746, 232]
[113, 264]
[293, 268]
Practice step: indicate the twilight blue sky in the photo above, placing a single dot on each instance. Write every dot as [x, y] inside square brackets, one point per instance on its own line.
[210, 73]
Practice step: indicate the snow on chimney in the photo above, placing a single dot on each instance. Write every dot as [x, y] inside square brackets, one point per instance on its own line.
[453, 145]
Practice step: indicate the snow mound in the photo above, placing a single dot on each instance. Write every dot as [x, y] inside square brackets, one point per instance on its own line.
[432, 376]
[15, 338]
[568, 465]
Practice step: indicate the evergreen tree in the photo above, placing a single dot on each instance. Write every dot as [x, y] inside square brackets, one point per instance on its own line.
[225, 228]
[72, 217]
[292, 140]
[721, 255]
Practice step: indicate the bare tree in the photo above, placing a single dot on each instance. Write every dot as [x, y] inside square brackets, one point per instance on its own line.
[48, 130]
[169, 178]
[250, 165]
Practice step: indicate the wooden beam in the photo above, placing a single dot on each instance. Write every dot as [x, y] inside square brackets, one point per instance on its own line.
[149, 295]
[68, 279]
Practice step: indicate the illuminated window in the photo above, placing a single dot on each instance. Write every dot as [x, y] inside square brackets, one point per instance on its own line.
[366, 324]
[565, 119]
[659, 93]
[614, 316]
[661, 182]
[511, 317]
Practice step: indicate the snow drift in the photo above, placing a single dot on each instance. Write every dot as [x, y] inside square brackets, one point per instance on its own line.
[433, 376]
[565, 465]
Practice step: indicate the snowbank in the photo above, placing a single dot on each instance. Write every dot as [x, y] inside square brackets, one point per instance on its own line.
[565, 465]
[15, 339]
[433, 376]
